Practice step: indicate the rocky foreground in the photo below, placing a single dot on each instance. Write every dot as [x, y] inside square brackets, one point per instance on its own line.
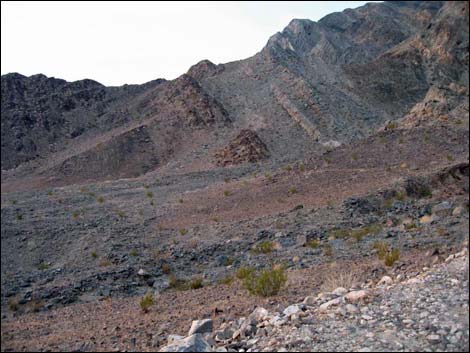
[428, 312]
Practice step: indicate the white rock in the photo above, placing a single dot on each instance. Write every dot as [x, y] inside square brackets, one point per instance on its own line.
[350, 308]
[290, 310]
[457, 211]
[173, 338]
[200, 326]
[340, 291]
[385, 280]
[326, 306]
[358, 295]
[142, 272]
[310, 301]
[194, 343]
[433, 338]
[259, 314]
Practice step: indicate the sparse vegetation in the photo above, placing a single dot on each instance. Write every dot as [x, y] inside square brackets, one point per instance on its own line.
[94, 254]
[105, 263]
[338, 277]
[244, 272]
[43, 266]
[354, 156]
[133, 252]
[146, 302]
[266, 283]
[302, 167]
[229, 261]
[264, 247]
[75, 214]
[293, 190]
[100, 199]
[183, 231]
[313, 243]
[382, 249]
[227, 193]
[13, 304]
[357, 234]
[19, 217]
[391, 125]
[149, 194]
[227, 280]
[392, 257]
[215, 219]
[180, 200]
[328, 250]
[166, 269]
[196, 283]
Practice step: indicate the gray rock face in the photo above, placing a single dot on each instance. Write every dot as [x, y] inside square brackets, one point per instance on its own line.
[194, 343]
[201, 326]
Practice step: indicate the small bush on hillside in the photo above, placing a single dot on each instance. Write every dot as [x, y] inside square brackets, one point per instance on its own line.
[382, 249]
[392, 257]
[94, 254]
[266, 283]
[133, 252]
[244, 272]
[313, 243]
[196, 283]
[100, 199]
[293, 190]
[183, 231]
[264, 247]
[149, 194]
[166, 269]
[227, 193]
[146, 302]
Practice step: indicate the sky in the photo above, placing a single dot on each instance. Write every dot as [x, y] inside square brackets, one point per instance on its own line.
[134, 42]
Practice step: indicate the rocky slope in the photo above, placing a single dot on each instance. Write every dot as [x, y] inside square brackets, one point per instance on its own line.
[337, 136]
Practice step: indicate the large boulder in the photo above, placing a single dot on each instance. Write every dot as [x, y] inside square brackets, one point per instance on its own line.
[194, 343]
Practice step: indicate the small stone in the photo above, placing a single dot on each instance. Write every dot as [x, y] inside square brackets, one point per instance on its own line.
[350, 308]
[326, 306]
[367, 317]
[310, 301]
[290, 310]
[358, 295]
[340, 291]
[442, 209]
[433, 338]
[426, 219]
[457, 211]
[385, 280]
[142, 272]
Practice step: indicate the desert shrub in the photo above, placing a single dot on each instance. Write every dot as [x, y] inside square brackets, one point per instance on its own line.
[183, 231]
[146, 302]
[227, 193]
[293, 190]
[338, 233]
[226, 179]
[13, 304]
[313, 243]
[75, 214]
[146, 186]
[391, 125]
[133, 252]
[43, 266]
[149, 194]
[265, 247]
[288, 168]
[354, 156]
[418, 188]
[392, 257]
[166, 269]
[244, 272]
[215, 219]
[336, 277]
[226, 280]
[328, 250]
[100, 199]
[302, 167]
[196, 283]
[19, 217]
[268, 177]
[266, 283]
[94, 254]
[228, 261]
[105, 263]
[382, 249]
[180, 200]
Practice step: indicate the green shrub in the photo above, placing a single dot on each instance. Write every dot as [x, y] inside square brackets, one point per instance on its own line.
[183, 231]
[149, 194]
[392, 257]
[133, 252]
[244, 272]
[328, 250]
[313, 243]
[226, 280]
[43, 266]
[196, 283]
[382, 249]
[166, 269]
[264, 247]
[146, 302]
[75, 214]
[266, 283]
[100, 199]
[227, 193]
[228, 261]
[94, 254]
[293, 190]
[13, 304]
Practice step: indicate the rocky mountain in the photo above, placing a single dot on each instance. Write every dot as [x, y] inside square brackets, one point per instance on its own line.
[315, 85]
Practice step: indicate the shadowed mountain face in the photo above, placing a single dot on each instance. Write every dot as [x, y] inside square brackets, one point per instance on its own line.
[313, 86]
